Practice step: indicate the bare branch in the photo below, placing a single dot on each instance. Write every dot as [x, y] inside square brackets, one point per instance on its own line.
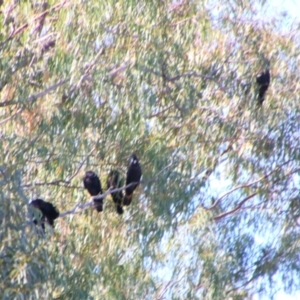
[37, 18]
[81, 164]
[167, 287]
[63, 183]
[245, 186]
[7, 103]
[83, 206]
[32, 98]
[47, 90]
[162, 170]
[66, 182]
[80, 207]
[11, 117]
[238, 207]
[86, 76]
[160, 112]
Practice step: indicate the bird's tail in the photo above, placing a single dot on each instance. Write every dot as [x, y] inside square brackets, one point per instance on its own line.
[98, 204]
[261, 94]
[119, 209]
[117, 198]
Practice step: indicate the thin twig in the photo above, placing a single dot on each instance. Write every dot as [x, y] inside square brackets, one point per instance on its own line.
[10, 117]
[153, 179]
[81, 164]
[160, 112]
[168, 286]
[63, 183]
[90, 67]
[60, 182]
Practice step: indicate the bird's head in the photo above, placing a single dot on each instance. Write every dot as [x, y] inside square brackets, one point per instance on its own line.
[37, 203]
[134, 160]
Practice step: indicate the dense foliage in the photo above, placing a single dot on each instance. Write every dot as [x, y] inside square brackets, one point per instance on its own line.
[83, 84]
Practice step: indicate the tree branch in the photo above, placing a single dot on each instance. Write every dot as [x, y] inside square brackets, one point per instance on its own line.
[11, 117]
[81, 164]
[245, 186]
[37, 18]
[238, 207]
[63, 183]
[83, 206]
[47, 90]
[8, 102]
[32, 98]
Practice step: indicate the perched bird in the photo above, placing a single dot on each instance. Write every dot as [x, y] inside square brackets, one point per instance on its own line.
[134, 174]
[114, 181]
[92, 183]
[263, 81]
[48, 210]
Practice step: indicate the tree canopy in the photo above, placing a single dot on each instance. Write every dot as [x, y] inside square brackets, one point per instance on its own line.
[84, 84]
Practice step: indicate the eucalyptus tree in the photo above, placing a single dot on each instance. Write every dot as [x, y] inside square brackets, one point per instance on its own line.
[84, 84]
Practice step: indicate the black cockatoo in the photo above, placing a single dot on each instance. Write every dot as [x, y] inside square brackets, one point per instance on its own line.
[48, 210]
[92, 183]
[134, 174]
[263, 81]
[114, 181]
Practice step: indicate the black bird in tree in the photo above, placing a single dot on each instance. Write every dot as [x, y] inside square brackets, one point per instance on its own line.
[92, 183]
[134, 174]
[48, 210]
[114, 181]
[263, 81]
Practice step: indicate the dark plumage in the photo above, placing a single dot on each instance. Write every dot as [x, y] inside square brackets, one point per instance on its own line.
[263, 81]
[134, 174]
[114, 181]
[92, 183]
[48, 210]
